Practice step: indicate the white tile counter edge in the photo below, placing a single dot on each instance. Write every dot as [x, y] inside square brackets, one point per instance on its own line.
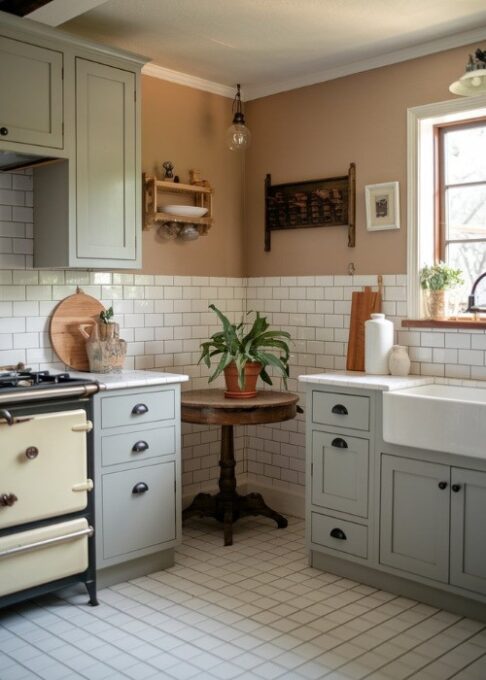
[384, 383]
[126, 379]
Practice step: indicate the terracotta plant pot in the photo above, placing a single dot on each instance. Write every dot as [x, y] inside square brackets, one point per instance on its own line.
[233, 391]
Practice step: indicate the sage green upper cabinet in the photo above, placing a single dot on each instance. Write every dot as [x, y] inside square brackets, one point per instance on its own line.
[31, 101]
[75, 104]
[106, 168]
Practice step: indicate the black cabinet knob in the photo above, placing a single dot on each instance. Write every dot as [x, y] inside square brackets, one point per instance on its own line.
[139, 409]
[442, 485]
[3, 131]
[339, 443]
[456, 487]
[339, 534]
[139, 488]
[140, 447]
[339, 410]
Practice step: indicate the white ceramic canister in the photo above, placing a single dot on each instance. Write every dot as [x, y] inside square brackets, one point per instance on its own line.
[399, 363]
[378, 343]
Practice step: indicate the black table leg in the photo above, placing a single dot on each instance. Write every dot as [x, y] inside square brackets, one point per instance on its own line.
[228, 506]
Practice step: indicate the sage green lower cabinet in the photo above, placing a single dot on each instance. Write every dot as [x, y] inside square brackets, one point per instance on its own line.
[468, 529]
[415, 517]
[340, 473]
[406, 520]
[137, 480]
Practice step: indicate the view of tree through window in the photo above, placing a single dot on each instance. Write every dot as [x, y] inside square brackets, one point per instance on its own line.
[462, 212]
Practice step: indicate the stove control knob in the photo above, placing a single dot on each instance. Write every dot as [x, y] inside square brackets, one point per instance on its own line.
[7, 500]
[31, 452]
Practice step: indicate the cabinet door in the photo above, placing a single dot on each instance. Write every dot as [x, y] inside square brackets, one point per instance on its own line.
[106, 163]
[31, 94]
[415, 501]
[468, 529]
[139, 509]
[340, 473]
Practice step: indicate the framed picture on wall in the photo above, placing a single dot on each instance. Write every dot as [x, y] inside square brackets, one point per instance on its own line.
[382, 206]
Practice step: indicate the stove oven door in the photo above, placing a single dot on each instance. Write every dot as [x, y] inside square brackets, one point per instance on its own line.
[43, 466]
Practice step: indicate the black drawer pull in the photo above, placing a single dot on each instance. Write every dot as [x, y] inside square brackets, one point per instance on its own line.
[3, 131]
[456, 487]
[140, 447]
[339, 443]
[141, 487]
[139, 409]
[442, 485]
[339, 534]
[339, 410]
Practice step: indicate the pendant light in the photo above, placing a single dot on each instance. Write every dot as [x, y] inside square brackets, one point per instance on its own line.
[238, 136]
[473, 81]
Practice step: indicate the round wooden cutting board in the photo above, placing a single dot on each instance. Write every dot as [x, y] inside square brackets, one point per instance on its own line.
[66, 338]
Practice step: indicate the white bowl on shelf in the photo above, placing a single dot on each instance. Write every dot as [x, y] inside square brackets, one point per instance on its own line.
[184, 210]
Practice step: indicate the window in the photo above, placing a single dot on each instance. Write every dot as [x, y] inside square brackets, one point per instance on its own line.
[460, 236]
[446, 191]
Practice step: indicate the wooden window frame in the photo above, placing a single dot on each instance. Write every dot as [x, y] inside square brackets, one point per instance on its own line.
[440, 237]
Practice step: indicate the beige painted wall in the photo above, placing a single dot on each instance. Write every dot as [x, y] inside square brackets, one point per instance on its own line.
[316, 132]
[187, 126]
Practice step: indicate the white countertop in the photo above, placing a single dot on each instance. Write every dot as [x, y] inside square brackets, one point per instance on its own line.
[125, 379]
[384, 383]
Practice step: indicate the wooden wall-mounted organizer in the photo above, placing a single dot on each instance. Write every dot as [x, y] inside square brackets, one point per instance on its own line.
[202, 195]
[328, 202]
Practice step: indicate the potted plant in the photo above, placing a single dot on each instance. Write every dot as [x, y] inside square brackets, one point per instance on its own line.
[245, 353]
[107, 328]
[435, 281]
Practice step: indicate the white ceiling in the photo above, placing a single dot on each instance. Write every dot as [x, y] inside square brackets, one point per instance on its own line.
[272, 45]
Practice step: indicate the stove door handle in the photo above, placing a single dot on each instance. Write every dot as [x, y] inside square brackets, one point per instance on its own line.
[84, 486]
[83, 427]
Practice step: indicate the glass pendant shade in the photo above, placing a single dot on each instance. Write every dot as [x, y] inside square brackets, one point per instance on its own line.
[238, 136]
[473, 82]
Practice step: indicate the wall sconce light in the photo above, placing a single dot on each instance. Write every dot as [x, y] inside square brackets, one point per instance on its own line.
[473, 82]
[238, 136]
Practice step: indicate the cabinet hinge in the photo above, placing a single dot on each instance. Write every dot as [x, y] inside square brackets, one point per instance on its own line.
[62, 73]
[175, 485]
[312, 469]
[135, 95]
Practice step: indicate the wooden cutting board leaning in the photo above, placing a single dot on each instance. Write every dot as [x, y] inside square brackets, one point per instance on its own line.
[363, 304]
[66, 338]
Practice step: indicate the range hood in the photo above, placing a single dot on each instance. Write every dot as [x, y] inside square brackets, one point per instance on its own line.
[11, 160]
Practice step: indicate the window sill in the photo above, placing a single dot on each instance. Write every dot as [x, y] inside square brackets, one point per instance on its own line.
[465, 323]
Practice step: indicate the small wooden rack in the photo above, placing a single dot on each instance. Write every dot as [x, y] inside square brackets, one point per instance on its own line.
[153, 187]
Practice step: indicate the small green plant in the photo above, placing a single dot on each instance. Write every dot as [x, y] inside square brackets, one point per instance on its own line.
[440, 277]
[236, 343]
[107, 315]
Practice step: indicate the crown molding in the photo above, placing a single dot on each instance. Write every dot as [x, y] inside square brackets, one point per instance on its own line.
[422, 50]
[155, 71]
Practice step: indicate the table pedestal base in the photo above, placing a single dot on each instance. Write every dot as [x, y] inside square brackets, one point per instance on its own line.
[228, 506]
[229, 510]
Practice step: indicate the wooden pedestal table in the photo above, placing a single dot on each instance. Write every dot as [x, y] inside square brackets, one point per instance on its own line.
[209, 407]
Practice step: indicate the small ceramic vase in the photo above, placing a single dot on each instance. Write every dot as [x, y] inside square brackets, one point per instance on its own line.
[399, 361]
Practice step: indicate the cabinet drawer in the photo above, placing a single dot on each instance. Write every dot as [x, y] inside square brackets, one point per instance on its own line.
[353, 537]
[341, 410]
[340, 473]
[135, 521]
[134, 409]
[138, 445]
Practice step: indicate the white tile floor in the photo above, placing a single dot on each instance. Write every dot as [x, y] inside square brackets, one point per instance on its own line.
[253, 610]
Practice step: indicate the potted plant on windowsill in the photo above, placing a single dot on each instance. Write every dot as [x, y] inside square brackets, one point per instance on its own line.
[435, 281]
[244, 354]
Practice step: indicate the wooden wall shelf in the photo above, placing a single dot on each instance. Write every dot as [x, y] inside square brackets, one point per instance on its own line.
[202, 196]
